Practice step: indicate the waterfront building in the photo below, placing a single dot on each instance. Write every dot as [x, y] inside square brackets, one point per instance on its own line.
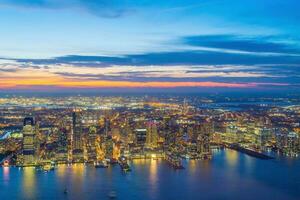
[205, 131]
[263, 137]
[62, 146]
[29, 142]
[292, 144]
[77, 142]
[92, 144]
[141, 137]
[151, 135]
[109, 147]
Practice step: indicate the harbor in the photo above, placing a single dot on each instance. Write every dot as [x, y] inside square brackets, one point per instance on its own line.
[156, 179]
[250, 152]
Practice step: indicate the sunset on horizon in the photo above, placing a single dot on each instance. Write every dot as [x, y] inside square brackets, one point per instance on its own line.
[150, 99]
[152, 44]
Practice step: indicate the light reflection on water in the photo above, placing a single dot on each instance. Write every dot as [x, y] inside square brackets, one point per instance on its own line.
[229, 175]
[6, 175]
[153, 171]
[231, 157]
[29, 182]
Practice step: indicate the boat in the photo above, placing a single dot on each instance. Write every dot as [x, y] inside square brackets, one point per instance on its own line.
[125, 167]
[6, 163]
[124, 164]
[65, 191]
[48, 167]
[102, 164]
[112, 195]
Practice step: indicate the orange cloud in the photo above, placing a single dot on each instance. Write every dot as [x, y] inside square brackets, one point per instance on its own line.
[73, 83]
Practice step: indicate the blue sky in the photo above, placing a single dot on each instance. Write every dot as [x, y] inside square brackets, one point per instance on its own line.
[253, 42]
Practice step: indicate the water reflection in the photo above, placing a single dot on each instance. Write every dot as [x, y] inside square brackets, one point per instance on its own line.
[231, 157]
[249, 162]
[206, 167]
[139, 161]
[153, 171]
[239, 175]
[29, 182]
[78, 172]
[6, 173]
[61, 170]
[6, 176]
[192, 166]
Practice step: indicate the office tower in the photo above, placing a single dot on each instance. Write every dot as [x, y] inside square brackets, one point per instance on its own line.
[169, 130]
[92, 144]
[204, 131]
[185, 107]
[62, 146]
[29, 142]
[109, 148]
[106, 126]
[140, 136]
[152, 135]
[264, 137]
[291, 147]
[77, 143]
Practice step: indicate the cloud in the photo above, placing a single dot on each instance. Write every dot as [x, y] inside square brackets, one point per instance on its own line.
[256, 44]
[100, 8]
[199, 50]
[259, 62]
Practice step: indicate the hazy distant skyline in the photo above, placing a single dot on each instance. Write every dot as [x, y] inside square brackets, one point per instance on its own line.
[149, 44]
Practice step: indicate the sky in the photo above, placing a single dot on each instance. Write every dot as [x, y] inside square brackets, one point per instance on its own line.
[170, 44]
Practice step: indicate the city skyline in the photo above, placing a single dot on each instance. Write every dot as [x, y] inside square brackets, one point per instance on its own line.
[179, 46]
[149, 99]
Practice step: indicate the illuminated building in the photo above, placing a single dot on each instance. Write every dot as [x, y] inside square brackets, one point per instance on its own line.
[92, 144]
[204, 131]
[106, 126]
[77, 143]
[151, 135]
[109, 148]
[62, 146]
[292, 144]
[264, 137]
[141, 137]
[29, 142]
[185, 107]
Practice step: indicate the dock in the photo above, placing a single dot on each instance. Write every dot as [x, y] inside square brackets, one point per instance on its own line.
[250, 152]
[174, 161]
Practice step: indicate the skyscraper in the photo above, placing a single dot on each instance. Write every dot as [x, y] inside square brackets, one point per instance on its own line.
[92, 144]
[141, 137]
[77, 142]
[62, 146]
[29, 142]
[152, 135]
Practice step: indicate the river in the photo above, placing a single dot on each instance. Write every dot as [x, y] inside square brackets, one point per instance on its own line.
[229, 175]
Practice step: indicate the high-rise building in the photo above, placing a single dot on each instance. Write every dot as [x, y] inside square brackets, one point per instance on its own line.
[109, 148]
[141, 137]
[29, 142]
[77, 143]
[152, 135]
[291, 148]
[62, 146]
[107, 126]
[92, 144]
[204, 131]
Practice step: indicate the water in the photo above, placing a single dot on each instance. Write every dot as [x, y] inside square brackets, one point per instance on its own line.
[229, 175]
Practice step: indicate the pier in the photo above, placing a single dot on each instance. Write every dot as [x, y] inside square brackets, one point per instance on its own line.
[174, 161]
[249, 152]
